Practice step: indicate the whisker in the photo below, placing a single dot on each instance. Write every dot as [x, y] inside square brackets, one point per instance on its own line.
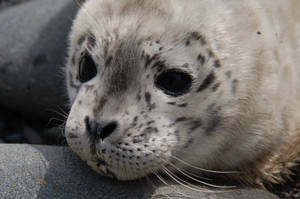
[184, 183]
[197, 180]
[165, 183]
[201, 169]
[187, 184]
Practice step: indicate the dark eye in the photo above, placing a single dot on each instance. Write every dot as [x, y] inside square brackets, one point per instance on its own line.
[87, 68]
[174, 82]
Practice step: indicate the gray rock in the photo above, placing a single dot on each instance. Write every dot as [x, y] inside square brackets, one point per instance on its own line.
[29, 171]
[6, 3]
[32, 136]
[33, 39]
[15, 137]
[2, 125]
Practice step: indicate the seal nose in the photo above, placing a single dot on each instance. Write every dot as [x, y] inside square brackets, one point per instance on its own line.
[100, 130]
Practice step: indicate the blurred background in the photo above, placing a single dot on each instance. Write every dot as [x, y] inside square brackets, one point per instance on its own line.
[33, 46]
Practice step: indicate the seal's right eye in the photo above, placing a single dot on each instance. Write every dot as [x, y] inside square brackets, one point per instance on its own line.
[174, 82]
[87, 68]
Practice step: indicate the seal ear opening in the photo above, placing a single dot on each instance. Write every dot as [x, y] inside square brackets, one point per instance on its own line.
[79, 2]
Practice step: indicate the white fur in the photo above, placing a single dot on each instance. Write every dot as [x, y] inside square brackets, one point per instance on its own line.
[266, 66]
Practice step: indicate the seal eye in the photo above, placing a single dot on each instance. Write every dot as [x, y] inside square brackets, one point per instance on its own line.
[87, 68]
[174, 82]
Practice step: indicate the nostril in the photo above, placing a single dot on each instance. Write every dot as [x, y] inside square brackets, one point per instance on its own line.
[107, 130]
[100, 130]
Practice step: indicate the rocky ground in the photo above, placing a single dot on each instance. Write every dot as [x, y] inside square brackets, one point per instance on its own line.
[18, 127]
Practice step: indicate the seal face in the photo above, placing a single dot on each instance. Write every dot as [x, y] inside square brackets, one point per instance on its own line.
[160, 86]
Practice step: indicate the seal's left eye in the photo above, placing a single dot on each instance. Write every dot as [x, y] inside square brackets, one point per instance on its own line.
[87, 68]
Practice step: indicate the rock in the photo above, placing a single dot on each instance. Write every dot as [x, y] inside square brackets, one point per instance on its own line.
[30, 171]
[32, 136]
[54, 135]
[15, 137]
[2, 125]
[33, 38]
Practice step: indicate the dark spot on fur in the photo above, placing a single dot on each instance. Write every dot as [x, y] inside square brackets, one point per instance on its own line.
[150, 122]
[201, 59]
[148, 97]
[99, 106]
[182, 105]
[72, 81]
[187, 42]
[180, 119]
[213, 121]
[39, 60]
[197, 36]
[195, 124]
[149, 59]
[188, 143]
[234, 86]
[210, 53]
[259, 33]
[217, 63]
[211, 107]
[160, 48]
[73, 60]
[108, 60]
[80, 40]
[135, 119]
[228, 74]
[95, 92]
[216, 86]
[207, 81]
[91, 41]
[138, 96]
[172, 103]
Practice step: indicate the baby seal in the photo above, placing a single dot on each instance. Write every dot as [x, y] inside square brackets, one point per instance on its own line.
[188, 86]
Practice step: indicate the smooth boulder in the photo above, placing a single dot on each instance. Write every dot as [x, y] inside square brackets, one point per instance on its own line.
[32, 171]
[33, 45]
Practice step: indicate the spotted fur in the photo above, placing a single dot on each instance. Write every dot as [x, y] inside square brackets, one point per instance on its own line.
[240, 113]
